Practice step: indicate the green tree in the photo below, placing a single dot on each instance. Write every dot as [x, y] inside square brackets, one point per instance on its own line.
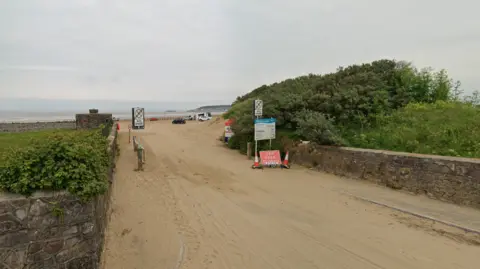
[337, 108]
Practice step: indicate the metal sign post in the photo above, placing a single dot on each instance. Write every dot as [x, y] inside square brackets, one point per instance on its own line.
[258, 108]
[138, 118]
[257, 112]
[264, 130]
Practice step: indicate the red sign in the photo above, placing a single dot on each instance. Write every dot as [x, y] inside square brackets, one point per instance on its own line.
[270, 157]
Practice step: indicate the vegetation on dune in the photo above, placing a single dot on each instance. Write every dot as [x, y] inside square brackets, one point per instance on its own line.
[385, 104]
[76, 161]
[441, 128]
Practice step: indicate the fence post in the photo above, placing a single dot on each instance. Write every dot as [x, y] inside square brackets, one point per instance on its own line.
[140, 153]
[129, 134]
[135, 144]
[249, 150]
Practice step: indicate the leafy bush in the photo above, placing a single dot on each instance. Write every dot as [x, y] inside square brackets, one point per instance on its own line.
[75, 161]
[315, 126]
[351, 106]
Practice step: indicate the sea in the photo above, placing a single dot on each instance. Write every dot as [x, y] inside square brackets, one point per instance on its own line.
[36, 116]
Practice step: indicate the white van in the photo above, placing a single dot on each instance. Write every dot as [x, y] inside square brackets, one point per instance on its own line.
[203, 116]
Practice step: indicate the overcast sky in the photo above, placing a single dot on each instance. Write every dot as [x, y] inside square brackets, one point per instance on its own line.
[214, 50]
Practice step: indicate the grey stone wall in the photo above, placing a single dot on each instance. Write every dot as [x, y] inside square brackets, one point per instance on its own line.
[35, 126]
[92, 120]
[451, 179]
[53, 230]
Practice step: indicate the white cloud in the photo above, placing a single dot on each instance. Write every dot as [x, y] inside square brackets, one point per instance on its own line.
[181, 50]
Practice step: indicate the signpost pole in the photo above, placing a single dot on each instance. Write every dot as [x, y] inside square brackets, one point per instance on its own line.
[259, 123]
[257, 112]
[256, 144]
[265, 130]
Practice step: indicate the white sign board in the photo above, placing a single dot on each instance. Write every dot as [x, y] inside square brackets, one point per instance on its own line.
[228, 131]
[258, 108]
[264, 129]
[139, 118]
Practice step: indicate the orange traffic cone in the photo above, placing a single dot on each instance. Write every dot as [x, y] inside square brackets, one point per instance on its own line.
[285, 162]
[256, 164]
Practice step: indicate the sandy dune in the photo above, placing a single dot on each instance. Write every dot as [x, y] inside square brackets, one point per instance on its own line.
[199, 205]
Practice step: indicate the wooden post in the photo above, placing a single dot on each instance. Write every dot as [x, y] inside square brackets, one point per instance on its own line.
[129, 133]
[140, 153]
[249, 150]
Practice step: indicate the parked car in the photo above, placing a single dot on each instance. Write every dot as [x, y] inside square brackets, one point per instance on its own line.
[179, 121]
[188, 117]
[204, 118]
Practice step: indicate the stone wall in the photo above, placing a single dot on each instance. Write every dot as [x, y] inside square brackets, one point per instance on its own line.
[451, 179]
[35, 126]
[92, 120]
[54, 230]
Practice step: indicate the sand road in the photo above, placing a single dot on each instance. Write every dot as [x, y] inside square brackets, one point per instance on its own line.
[199, 205]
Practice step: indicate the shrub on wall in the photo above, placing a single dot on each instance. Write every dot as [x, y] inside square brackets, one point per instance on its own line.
[74, 161]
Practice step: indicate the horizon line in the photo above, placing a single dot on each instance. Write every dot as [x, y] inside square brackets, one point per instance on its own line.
[118, 100]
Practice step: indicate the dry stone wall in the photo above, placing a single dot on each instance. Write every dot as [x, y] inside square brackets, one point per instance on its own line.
[451, 179]
[53, 230]
[17, 127]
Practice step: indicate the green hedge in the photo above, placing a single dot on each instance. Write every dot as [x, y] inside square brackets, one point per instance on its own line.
[76, 161]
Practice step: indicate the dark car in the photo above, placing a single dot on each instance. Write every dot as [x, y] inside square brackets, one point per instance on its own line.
[179, 121]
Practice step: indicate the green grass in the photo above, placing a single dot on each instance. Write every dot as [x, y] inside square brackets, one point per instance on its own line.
[441, 128]
[24, 139]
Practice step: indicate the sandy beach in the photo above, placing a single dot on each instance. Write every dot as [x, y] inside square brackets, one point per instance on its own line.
[200, 205]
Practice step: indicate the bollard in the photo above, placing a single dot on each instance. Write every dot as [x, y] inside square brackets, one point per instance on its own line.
[249, 150]
[140, 154]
